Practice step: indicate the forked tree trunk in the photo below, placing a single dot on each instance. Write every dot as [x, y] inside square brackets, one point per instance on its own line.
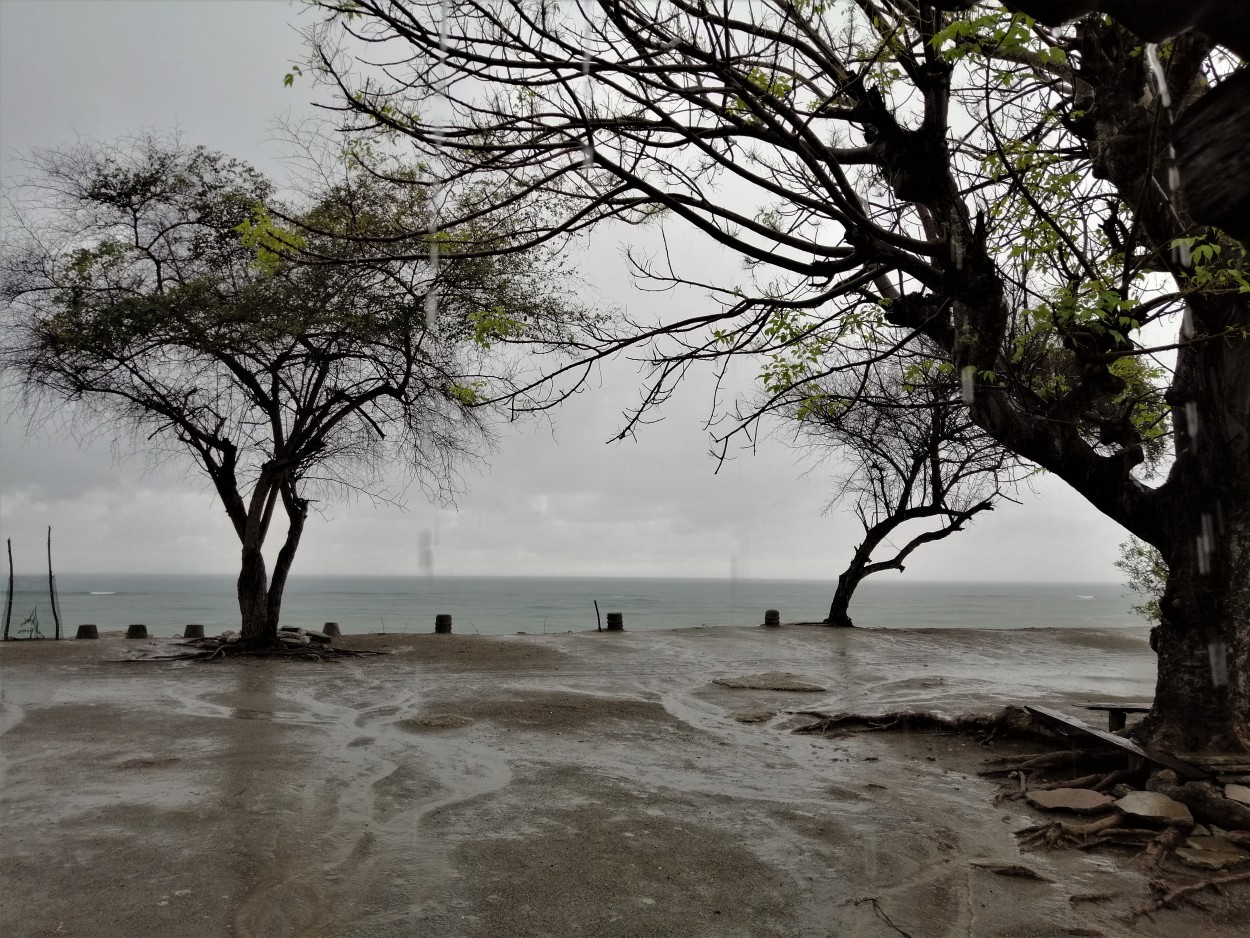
[253, 590]
[260, 595]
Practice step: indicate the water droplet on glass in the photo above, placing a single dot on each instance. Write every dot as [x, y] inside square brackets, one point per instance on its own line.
[1156, 72]
[432, 228]
[967, 388]
[1205, 543]
[1187, 325]
[1217, 652]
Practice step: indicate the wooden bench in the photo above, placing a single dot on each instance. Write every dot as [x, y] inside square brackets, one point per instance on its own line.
[1117, 713]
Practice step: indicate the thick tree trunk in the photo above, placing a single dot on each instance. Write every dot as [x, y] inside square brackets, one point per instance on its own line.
[847, 583]
[253, 590]
[1202, 698]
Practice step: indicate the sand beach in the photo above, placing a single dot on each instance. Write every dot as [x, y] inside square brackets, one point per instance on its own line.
[581, 784]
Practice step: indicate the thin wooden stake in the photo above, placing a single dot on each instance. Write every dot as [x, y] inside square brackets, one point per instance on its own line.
[598, 618]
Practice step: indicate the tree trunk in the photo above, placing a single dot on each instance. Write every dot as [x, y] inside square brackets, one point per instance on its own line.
[1202, 698]
[297, 513]
[847, 582]
[254, 599]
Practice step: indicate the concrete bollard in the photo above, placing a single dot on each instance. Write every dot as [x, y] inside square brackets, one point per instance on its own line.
[331, 629]
[616, 622]
[442, 623]
[87, 631]
[772, 618]
[193, 631]
[137, 631]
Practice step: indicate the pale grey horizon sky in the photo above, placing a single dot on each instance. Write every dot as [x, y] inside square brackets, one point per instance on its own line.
[553, 500]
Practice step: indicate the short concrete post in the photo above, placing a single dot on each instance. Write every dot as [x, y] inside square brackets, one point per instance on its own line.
[616, 622]
[331, 629]
[137, 631]
[772, 618]
[193, 631]
[442, 623]
[87, 631]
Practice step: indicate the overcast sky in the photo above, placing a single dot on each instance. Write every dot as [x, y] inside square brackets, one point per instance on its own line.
[554, 500]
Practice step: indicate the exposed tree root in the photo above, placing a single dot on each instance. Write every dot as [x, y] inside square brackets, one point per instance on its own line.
[1120, 837]
[1042, 761]
[1206, 802]
[1011, 721]
[1062, 833]
[1162, 846]
[213, 649]
[880, 912]
[1168, 898]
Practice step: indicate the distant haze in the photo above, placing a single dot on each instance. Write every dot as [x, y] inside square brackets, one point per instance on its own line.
[554, 500]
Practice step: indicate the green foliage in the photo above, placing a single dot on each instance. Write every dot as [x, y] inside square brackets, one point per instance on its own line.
[469, 394]
[1214, 268]
[1147, 574]
[269, 241]
[492, 325]
[996, 31]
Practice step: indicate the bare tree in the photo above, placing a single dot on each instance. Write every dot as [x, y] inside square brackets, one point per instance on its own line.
[147, 293]
[911, 463]
[994, 187]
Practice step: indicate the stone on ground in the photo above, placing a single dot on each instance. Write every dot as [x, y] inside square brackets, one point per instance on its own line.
[771, 680]
[1152, 807]
[1079, 800]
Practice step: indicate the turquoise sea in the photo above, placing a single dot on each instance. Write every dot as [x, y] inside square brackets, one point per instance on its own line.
[504, 605]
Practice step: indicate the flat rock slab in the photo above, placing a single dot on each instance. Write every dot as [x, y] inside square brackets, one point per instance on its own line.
[1211, 859]
[771, 680]
[1237, 793]
[1079, 800]
[1216, 844]
[1154, 807]
[754, 716]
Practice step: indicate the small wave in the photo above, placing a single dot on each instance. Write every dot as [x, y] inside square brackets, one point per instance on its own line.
[1085, 597]
[102, 592]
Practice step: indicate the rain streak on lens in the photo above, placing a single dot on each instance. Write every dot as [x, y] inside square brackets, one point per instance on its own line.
[588, 148]
[433, 225]
[967, 388]
[1218, 653]
[1180, 250]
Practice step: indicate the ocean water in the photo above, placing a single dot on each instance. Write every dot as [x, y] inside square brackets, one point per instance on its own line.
[505, 605]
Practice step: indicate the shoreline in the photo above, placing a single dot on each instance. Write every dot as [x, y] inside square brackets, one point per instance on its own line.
[466, 786]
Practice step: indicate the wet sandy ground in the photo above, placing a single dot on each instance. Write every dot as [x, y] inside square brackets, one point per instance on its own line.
[575, 785]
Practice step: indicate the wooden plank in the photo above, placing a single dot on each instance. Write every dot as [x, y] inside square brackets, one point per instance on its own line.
[1074, 725]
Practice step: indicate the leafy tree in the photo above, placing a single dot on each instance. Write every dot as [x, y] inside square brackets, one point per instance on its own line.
[912, 463]
[1147, 574]
[997, 189]
[148, 291]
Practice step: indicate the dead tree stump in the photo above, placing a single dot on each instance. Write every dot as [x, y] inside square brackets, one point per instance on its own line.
[772, 618]
[87, 631]
[332, 629]
[442, 624]
[137, 631]
[616, 622]
[193, 631]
